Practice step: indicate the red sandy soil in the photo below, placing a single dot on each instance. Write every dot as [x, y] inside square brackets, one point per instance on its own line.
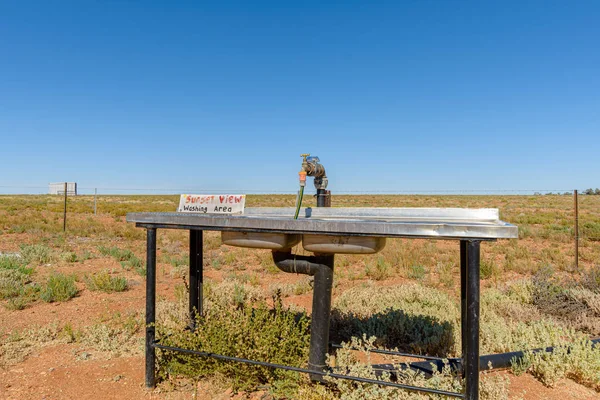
[59, 371]
[55, 373]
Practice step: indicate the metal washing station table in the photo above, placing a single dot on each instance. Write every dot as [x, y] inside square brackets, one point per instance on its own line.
[340, 227]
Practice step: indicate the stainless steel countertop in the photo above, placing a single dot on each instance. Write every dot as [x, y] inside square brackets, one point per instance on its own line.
[440, 223]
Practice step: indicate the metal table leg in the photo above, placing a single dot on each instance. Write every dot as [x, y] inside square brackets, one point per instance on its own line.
[463, 302]
[196, 264]
[470, 314]
[150, 306]
[321, 313]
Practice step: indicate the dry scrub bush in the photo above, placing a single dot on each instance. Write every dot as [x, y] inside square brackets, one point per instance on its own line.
[12, 283]
[507, 324]
[17, 288]
[346, 360]
[304, 285]
[591, 279]
[68, 256]
[509, 320]
[578, 360]
[15, 347]
[36, 254]
[412, 317]
[378, 270]
[567, 301]
[104, 282]
[231, 292]
[15, 283]
[118, 335]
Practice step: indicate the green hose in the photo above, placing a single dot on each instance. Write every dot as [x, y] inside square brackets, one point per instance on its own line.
[299, 201]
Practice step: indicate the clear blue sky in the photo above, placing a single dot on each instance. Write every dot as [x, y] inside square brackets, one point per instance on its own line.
[393, 96]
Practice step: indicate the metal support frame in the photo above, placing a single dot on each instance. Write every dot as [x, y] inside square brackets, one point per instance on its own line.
[470, 313]
[469, 302]
[196, 276]
[321, 312]
[150, 306]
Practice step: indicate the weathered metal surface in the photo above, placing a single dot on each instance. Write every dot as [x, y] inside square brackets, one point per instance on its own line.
[441, 223]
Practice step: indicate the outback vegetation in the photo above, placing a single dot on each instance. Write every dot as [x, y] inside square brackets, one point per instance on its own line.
[81, 292]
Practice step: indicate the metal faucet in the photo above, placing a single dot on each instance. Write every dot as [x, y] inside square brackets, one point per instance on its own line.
[311, 167]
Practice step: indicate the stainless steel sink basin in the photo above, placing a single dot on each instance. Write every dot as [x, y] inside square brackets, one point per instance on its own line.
[328, 244]
[322, 244]
[260, 240]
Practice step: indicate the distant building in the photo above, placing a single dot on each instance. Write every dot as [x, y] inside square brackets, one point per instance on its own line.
[59, 188]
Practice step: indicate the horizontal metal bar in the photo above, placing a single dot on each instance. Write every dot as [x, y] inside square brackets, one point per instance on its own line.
[308, 371]
[390, 352]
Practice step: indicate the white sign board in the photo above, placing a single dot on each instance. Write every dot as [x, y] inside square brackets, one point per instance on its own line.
[212, 203]
[59, 188]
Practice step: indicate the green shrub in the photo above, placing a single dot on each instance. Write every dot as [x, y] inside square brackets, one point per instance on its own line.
[11, 262]
[15, 263]
[85, 255]
[272, 334]
[36, 254]
[12, 282]
[16, 285]
[116, 253]
[445, 272]
[127, 258]
[304, 286]
[519, 366]
[68, 256]
[216, 264]
[230, 258]
[59, 287]
[231, 293]
[135, 264]
[488, 268]
[104, 282]
[379, 271]
[416, 272]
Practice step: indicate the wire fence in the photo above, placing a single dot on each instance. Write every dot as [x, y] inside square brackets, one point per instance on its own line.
[589, 230]
[87, 190]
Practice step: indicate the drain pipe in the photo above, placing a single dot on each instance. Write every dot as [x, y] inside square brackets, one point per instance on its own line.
[321, 267]
[497, 361]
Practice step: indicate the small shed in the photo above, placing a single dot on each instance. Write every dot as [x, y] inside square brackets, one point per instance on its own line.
[59, 188]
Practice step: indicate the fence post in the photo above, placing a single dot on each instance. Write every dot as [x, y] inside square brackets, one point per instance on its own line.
[65, 213]
[576, 205]
[95, 195]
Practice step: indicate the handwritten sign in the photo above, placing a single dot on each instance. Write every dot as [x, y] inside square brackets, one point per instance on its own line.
[212, 203]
